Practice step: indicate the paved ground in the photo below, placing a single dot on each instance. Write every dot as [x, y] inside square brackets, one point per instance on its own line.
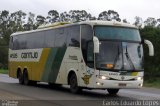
[43, 95]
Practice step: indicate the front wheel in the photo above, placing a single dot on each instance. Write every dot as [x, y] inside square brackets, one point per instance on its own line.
[112, 91]
[73, 84]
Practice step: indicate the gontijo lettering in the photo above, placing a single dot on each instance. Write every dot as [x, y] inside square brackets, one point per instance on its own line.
[29, 55]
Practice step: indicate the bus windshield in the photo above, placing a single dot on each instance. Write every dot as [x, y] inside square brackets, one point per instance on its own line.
[120, 49]
[120, 56]
[117, 33]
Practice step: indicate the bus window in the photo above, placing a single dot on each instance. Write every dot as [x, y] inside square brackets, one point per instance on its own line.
[11, 43]
[35, 40]
[15, 43]
[86, 36]
[90, 56]
[73, 36]
[22, 41]
[61, 38]
[50, 38]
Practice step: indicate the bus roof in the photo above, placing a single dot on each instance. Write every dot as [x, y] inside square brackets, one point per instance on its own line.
[108, 23]
[92, 23]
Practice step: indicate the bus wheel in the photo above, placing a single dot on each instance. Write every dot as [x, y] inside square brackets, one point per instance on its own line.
[25, 77]
[112, 91]
[73, 84]
[20, 77]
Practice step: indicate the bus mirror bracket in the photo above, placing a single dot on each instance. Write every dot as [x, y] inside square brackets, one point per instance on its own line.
[96, 44]
[150, 46]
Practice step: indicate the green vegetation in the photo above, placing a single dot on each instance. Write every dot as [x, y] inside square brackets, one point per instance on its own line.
[155, 82]
[151, 64]
[3, 71]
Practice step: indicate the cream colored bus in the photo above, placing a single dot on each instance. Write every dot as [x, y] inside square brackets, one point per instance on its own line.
[85, 55]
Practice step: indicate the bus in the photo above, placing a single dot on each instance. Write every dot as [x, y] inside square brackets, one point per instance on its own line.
[85, 55]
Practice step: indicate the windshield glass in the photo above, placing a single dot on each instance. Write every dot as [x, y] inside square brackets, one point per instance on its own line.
[109, 54]
[120, 56]
[118, 33]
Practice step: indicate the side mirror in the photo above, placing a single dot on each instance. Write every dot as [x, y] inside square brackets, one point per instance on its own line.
[150, 46]
[96, 44]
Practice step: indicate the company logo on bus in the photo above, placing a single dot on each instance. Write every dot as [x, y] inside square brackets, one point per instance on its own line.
[122, 77]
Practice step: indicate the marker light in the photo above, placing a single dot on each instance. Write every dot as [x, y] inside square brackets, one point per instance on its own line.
[103, 77]
[98, 83]
[109, 66]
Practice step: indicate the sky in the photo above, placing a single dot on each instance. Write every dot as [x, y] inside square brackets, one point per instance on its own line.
[127, 9]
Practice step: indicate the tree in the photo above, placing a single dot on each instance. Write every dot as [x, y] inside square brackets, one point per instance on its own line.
[4, 24]
[158, 23]
[151, 64]
[40, 20]
[4, 37]
[104, 16]
[125, 21]
[19, 19]
[30, 25]
[138, 22]
[53, 16]
[76, 16]
[109, 15]
[114, 15]
[90, 17]
[150, 21]
[65, 17]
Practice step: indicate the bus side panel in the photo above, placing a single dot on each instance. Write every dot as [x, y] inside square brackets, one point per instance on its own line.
[12, 70]
[38, 67]
[13, 65]
[33, 64]
[72, 61]
[52, 64]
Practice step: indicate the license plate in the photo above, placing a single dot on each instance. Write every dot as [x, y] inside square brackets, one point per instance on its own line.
[122, 84]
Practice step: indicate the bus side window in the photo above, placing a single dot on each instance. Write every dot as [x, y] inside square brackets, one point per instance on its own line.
[90, 52]
[50, 36]
[90, 55]
[22, 41]
[60, 38]
[35, 40]
[15, 43]
[11, 43]
[86, 36]
[73, 36]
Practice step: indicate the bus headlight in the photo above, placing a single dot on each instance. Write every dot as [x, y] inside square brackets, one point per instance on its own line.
[139, 78]
[103, 77]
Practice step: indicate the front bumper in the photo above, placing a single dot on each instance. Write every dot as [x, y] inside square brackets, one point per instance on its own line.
[100, 83]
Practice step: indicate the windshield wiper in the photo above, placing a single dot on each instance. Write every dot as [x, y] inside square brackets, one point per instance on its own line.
[129, 58]
[116, 59]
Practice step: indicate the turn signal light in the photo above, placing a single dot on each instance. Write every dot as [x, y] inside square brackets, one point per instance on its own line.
[109, 65]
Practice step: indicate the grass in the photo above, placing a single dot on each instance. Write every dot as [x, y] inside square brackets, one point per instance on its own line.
[154, 82]
[3, 71]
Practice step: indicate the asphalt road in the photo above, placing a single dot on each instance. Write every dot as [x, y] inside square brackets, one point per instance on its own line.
[15, 94]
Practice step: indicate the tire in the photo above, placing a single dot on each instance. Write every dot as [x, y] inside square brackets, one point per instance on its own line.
[73, 84]
[25, 77]
[20, 77]
[112, 91]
